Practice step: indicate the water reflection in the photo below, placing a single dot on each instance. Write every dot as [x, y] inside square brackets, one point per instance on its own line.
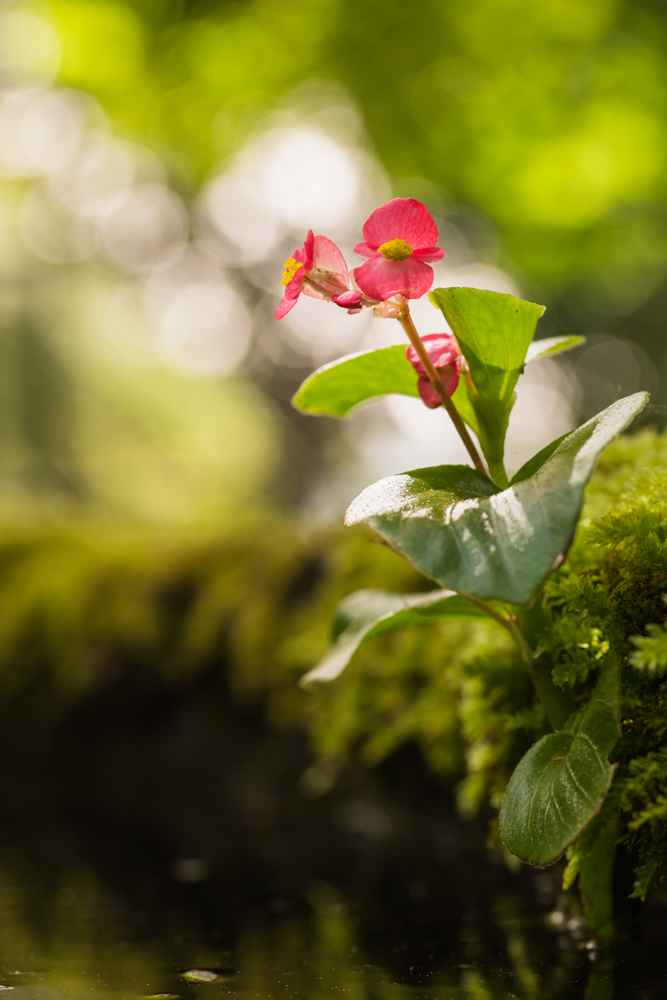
[72, 941]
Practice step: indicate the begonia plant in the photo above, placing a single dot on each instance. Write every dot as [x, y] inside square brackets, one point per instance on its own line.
[488, 543]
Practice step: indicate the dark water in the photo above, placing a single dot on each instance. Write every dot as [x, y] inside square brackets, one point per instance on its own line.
[79, 941]
[147, 833]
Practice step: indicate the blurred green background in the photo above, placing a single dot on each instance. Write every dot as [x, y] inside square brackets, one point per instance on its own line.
[159, 160]
[169, 548]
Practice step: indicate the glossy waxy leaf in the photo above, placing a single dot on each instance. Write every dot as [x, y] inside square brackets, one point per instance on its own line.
[454, 525]
[494, 332]
[368, 613]
[559, 786]
[548, 347]
[336, 389]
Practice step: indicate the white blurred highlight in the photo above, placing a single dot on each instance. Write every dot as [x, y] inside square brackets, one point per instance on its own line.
[296, 178]
[40, 131]
[309, 179]
[203, 324]
[206, 328]
[547, 397]
[146, 231]
[322, 331]
[241, 216]
[98, 178]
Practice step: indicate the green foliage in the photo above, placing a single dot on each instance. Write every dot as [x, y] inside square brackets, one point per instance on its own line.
[596, 880]
[499, 718]
[462, 529]
[610, 596]
[494, 332]
[368, 613]
[78, 600]
[338, 388]
[496, 106]
[454, 526]
[610, 588]
[575, 641]
[561, 783]
[549, 347]
[651, 652]
[642, 800]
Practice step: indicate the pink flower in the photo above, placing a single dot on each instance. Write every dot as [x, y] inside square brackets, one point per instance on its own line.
[318, 270]
[445, 354]
[399, 241]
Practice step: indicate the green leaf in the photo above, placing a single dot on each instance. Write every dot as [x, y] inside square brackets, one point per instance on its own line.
[559, 786]
[339, 387]
[651, 654]
[494, 331]
[336, 389]
[453, 524]
[367, 613]
[550, 346]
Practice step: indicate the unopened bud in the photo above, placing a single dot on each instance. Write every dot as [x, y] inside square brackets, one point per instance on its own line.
[445, 354]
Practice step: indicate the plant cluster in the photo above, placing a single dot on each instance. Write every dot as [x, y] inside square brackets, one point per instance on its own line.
[496, 547]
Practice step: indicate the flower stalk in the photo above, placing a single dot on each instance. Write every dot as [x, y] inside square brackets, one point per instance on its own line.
[557, 704]
[405, 319]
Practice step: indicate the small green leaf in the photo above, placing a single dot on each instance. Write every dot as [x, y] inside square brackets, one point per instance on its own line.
[550, 346]
[453, 524]
[494, 331]
[367, 613]
[336, 389]
[559, 786]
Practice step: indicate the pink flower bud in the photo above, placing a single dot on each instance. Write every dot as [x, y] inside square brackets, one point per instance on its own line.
[352, 301]
[445, 354]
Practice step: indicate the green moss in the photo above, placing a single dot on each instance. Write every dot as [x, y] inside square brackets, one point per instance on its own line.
[76, 601]
[608, 595]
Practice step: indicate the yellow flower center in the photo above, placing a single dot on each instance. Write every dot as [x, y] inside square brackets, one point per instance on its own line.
[396, 250]
[291, 267]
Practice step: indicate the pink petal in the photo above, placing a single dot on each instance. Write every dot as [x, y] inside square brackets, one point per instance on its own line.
[364, 250]
[404, 219]
[430, 255]
[427, 392]
[380, 278]
[327, 257]
[293, 290]
[348, 300]
[313, 293]
[307, 252]
[442, 349]
[285, 306]
[450, 378]
[328, 271]
[295, 284]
